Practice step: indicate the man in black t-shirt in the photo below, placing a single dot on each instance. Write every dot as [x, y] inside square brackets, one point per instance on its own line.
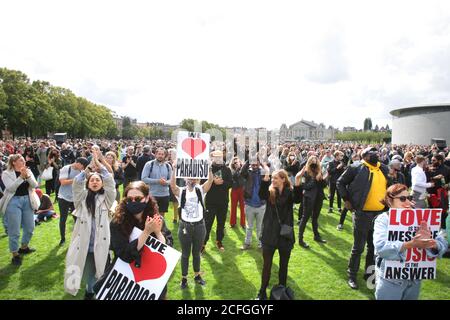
[129, 167]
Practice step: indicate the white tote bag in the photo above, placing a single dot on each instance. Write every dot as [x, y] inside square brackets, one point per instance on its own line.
[47, 174]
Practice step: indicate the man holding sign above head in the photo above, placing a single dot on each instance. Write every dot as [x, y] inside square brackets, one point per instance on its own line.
[217, 198]
[407, 244]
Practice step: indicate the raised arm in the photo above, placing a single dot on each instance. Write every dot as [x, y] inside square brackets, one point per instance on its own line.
[173, 182]
[207, 185]
[265, 183]
[78, 188]
[109, 185]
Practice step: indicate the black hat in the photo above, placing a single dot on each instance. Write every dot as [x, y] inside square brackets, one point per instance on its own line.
[367, 150]
[83, 161]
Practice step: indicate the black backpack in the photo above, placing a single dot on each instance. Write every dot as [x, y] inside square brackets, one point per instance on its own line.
[281, 292]
[183, 200]
[151, 169]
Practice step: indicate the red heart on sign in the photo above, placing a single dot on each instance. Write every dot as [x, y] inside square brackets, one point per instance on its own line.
[153, 266]
[193, 147]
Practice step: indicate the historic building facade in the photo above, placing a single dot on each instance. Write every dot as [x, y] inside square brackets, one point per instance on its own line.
[306, 130]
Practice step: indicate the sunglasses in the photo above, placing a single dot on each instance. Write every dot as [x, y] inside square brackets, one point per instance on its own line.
[404, 198]
[135, 199]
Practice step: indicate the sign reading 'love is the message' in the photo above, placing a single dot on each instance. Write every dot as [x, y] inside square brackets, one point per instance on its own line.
[403, 226]
[126, 281]
[192, 155]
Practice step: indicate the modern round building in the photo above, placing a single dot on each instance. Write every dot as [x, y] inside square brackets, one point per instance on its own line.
[421, 124]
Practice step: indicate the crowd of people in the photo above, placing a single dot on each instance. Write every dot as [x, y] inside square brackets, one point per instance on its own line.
[268, 186]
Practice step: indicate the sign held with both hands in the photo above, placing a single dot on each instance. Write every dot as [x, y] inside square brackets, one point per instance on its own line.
[192, 155]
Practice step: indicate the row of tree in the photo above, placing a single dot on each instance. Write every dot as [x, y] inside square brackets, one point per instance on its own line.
[132, 131]
[364, 137]
[34, 109]
[368, 126]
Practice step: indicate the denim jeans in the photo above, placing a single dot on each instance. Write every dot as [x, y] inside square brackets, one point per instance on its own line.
[191, 237]
[253, 214]
[19, 214]
[89, 272]
[388, 289]
[41, 216]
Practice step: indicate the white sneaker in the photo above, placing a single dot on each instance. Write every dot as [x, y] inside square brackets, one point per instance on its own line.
[340, 227]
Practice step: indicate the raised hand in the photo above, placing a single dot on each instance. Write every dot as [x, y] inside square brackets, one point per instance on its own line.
[424, 232]
[150, 225]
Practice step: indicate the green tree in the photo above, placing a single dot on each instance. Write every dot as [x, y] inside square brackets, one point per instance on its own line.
[367, 124]
[3, 108]
[19, 113]
[129, 130]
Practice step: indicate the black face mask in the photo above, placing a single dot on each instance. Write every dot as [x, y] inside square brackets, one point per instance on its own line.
[134, 207]
[373, 158]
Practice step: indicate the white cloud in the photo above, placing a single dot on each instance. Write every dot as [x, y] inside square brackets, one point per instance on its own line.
[237, 63]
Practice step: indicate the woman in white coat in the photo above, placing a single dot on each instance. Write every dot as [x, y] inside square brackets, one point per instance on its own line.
[18, 204]
[94, 193]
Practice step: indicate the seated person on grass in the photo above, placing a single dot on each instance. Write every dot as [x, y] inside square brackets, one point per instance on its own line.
[46, 210]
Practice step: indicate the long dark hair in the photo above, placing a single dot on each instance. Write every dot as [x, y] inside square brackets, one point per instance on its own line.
[125, 219]
[90, 199]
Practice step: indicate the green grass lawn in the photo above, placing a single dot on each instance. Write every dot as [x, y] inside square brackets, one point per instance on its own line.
[317, 273]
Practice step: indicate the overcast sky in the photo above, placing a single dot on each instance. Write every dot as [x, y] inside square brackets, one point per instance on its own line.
[236, 63]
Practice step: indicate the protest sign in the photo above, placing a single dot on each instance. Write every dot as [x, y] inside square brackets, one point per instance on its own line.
[192, 155]
[126, 281]
[403, 224]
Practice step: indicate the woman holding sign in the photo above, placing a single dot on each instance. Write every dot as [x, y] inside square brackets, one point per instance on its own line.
[397, 196]
[137, 209]
[192, 229]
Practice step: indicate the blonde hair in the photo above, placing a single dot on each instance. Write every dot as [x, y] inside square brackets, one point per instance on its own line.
[317, 175]
[287, 184]
[11, 159]
[115, 164]
[232, 167]
[409, 155]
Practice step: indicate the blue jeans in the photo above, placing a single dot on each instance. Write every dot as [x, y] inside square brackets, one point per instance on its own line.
[89, 272]
[41, 216]
[19, 214]
[397, 289]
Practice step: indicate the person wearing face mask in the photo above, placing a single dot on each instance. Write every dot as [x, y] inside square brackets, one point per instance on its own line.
[439, 173]
[192, 229]
[237, 192]
[362, 187]
[313, 195]
[217, 199]
[419, 182]
[397, 196]
[395, 174]
[280, 196]
[93, 195]
[292, 166]
[138, 208]
[254, 205]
